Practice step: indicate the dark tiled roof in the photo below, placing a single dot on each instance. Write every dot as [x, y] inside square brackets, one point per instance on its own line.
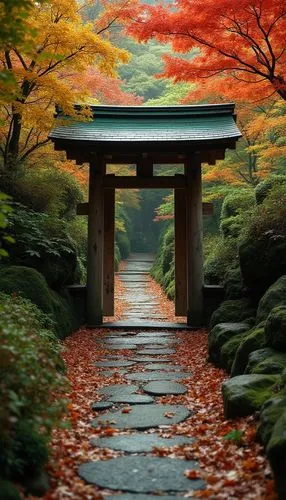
[152, 124]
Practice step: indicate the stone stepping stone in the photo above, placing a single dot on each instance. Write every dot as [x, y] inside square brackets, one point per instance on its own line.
[133, 496]
[139, 442]
[118, 389]
[119, 346]
[142, 341]
[144, 417]
[147, 359]
[114, 364]
[146, 376]
[109, 373]
[141, 474]
[156, 351]
[162, 366]
[156, 334]
[101, 405]
[132, 399]
[159, 388]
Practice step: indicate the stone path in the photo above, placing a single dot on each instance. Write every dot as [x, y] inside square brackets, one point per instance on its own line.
[143, 304]
[132, 408]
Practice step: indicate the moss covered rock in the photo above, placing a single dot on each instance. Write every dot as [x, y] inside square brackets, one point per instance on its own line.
[8, 491]
[264, 187]
[266, 360]
[232, 311]
[233, 284]
[270, 413]
[276, 453]
[255, 339]
[275, 328]
[228, 350]
[220, 334]
[29, 283]
[245, 394]
[262, 261]
[274, 296]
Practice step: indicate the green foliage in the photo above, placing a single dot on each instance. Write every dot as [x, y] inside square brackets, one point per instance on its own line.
[47, 189]
[264, 188]
[30, 284]
[5, 210]
[29, 361]
[235, 436]
[42, 242]
[220, 256]
[8, 491]
[123, 244]
[164, 266]
[235, 203]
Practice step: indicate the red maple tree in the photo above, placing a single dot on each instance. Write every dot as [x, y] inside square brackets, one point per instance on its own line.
[241, 42]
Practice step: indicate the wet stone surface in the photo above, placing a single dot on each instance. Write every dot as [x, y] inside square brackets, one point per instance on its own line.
[114, 364]
[134, 496]
[160, 375]
[139, 442]
[162, 366]
[144, 417]
[119, 346]
[132, 399]
[163, 388]
[147, 359]
[141, 341]
[101, 405]
[141, 474]
[118, 389]
[147, 352]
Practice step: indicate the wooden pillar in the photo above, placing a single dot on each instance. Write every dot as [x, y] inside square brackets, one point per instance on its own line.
[194, 241]
[180, 253]
[95, 244]
[108, 259]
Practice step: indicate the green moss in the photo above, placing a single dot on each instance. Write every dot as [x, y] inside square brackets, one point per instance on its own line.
[31, 451]
[270, 413]
[233, 284]
[232, 311]
[30, 284]
[274, 296]
[221, 334]
[276, 453]
[234, 203]
[245, 394]
[255, 339]
[266, 360]
[8, 491]
[275, 328]
[228, 350]
[123, 244]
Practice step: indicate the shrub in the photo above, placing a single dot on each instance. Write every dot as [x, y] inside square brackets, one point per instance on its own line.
[31, 285]
[236, 202]
[42, 242]
[29, 362]
[264, 188]
[123, 244]
[222, 256]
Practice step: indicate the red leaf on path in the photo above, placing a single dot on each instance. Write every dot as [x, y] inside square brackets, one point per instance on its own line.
[192, 474]
[169, 414]
[126, 410]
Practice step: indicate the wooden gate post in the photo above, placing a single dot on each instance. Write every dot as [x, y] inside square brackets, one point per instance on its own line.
[95, 244]
[194, 241]
[108, 259]
[180, 253]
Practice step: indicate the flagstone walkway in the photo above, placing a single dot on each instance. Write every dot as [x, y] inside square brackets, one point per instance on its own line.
[143, 358]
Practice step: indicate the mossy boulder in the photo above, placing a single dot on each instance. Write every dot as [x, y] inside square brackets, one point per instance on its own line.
[270, 413]
[274, 296]
[276, 453]
[262, 261]
[30, 284]
[275, 328]
[255, 339]
[233, 284]
[245, 394]
[266, 360]
[8, 491]
[232, 311]
[220, 334]
[228, 350]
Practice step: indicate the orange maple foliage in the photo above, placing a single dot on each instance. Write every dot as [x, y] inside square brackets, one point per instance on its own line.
[242, 42]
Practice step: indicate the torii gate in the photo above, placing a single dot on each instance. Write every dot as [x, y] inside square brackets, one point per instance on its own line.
[145, 136]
